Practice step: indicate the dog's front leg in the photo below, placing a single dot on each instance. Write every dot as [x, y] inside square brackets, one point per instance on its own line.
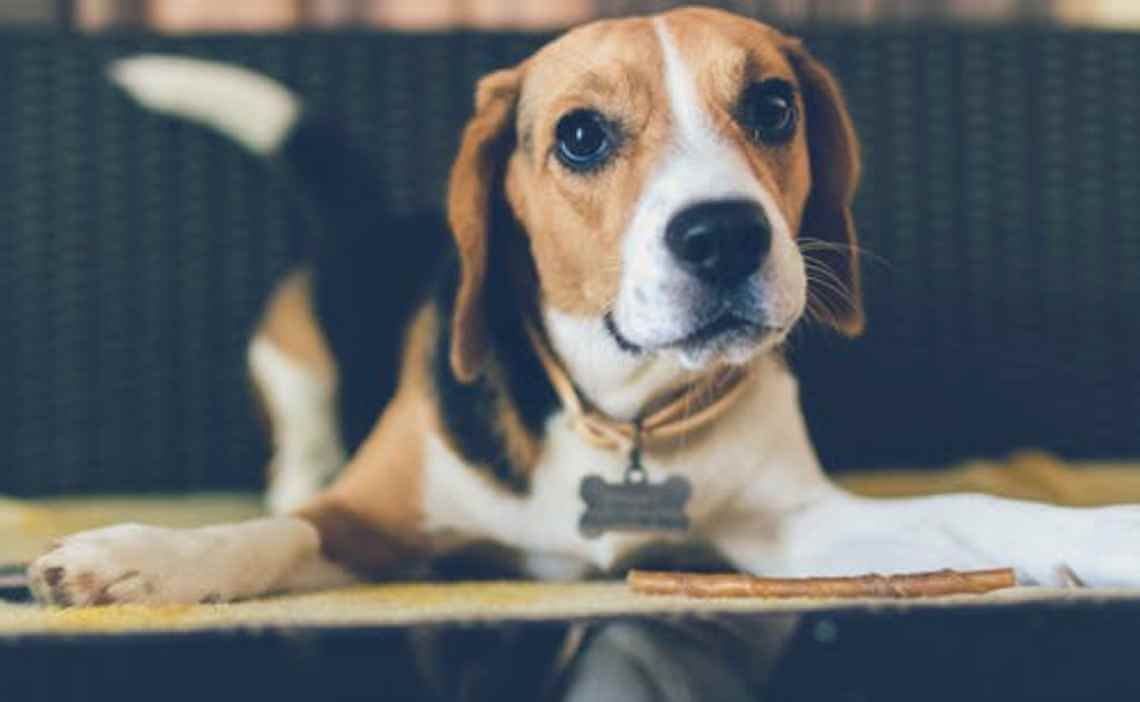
[841, 534]
[325, 544]
[146, 564]
[366, 523]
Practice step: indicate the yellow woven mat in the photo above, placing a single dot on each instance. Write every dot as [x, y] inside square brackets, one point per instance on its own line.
[27, 526]
[396, 605]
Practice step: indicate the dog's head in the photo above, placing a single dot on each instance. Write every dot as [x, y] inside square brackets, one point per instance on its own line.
[668, 173]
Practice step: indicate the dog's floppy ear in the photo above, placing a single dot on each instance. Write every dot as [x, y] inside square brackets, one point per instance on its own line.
[482, 152]
[835, 165]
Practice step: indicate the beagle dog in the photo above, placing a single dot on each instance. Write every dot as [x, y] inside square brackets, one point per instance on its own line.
[641, 211]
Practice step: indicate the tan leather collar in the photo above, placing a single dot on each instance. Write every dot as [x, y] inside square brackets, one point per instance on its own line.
[687, 410]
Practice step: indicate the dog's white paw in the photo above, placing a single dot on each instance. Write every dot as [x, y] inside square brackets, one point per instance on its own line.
[122, 564]
[1044, 544]
[152, 565]
[1102, 547]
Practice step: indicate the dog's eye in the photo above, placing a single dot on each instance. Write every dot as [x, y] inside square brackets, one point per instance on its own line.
[769, 111]
[583, 140]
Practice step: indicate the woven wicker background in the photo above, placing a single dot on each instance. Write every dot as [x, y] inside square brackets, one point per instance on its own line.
[1002, 203]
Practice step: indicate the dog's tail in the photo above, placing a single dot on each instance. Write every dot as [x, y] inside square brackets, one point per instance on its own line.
[267, 119]
[368, 274]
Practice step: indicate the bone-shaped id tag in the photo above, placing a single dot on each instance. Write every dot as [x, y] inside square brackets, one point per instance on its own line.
[635, 504]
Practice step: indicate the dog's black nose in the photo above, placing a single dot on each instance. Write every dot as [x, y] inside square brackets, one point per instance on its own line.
[721, 242]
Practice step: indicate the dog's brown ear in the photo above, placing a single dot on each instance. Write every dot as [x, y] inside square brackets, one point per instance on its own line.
[835, 166]
[482, 153]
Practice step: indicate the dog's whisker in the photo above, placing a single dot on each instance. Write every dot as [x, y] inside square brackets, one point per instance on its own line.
[830, 288]
[820, 308]
[824, 276]
[807, 243]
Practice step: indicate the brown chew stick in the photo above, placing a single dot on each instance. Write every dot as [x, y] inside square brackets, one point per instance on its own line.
[940, 582]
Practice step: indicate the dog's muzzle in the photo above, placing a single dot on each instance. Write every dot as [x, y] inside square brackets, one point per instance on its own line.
[721, 242]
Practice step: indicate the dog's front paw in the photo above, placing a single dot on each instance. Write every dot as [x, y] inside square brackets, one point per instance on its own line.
[119, 564]
[1102, 547]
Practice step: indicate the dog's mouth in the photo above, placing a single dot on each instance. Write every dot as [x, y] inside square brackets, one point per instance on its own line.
[620, 339]
[723, 325]
[723, 329]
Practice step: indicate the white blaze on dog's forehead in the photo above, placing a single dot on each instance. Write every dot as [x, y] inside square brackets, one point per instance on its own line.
[684, 101]
[708, 166]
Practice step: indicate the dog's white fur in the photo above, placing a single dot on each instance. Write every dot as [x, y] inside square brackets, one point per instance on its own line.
[545, 521]
[759, 493]
[307, 450]
[246, 106]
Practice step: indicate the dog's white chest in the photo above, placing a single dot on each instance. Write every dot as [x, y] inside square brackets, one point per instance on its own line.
[461, 504]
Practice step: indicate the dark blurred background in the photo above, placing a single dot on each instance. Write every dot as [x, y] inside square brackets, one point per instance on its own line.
[1000, 209]
[260, 15]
